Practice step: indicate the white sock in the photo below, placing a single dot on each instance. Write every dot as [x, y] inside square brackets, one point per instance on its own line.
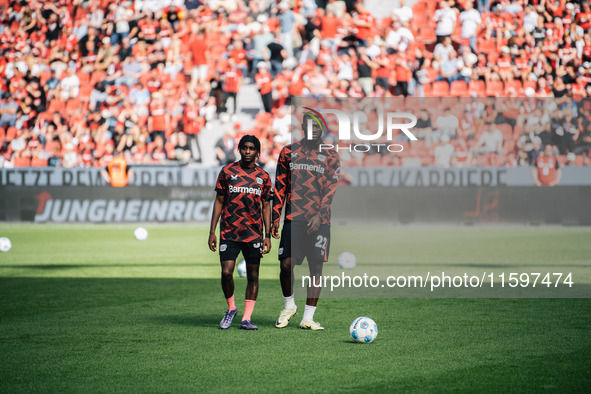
[290, 302]
[309, 313]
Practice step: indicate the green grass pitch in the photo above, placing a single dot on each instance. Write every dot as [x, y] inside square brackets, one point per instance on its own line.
[90, 309]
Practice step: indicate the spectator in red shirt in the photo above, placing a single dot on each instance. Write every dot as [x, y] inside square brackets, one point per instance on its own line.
[200, 54]
[403, 73]
[365, 23]
[264, 84]
[546, 170]
[192, 124]
[159, 119]
[232, 79]
[330, 26]
[583, 18]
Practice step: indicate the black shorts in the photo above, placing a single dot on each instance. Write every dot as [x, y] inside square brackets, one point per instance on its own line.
[252, 251]
[298, 244]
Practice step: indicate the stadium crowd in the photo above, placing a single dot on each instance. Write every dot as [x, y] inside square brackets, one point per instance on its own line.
[84, 81]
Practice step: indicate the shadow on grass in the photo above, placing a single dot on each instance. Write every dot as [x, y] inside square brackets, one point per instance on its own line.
[209, 320]
[192, 320]
[72, 266]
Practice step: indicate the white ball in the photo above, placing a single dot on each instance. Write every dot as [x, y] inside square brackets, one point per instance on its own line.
[141, 234]
[242, 268]
[364, 330]
[5, 244]
[347, 260]
[224, 117]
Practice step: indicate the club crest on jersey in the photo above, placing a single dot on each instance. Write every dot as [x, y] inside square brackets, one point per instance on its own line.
[321, 157]
[223, 247]
[259, 181]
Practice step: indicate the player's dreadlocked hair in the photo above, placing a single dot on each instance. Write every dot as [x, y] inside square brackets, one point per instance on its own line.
[316, 117]
[250, 138]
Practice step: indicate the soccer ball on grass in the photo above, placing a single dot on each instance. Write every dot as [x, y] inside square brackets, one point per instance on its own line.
[364, 330]
[5, 244]
[347, 260]
[242, 268]
[141, 234]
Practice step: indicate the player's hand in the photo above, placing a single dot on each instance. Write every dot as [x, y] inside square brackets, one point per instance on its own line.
[314, 224]
[212, 242]
[275, 230]
[266, 245]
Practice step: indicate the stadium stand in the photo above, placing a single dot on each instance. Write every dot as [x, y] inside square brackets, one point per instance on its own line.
[83, 81]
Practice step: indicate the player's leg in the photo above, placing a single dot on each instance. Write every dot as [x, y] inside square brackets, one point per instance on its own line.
[228, 254]
[315, 285]
[286, 278]
[313, 293]
[317, 255]
[252, 254]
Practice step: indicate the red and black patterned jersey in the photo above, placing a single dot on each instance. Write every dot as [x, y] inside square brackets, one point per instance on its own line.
[306, 181]
[244, 190]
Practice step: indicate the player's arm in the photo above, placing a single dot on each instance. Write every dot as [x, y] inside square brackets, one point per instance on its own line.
[105, 175]
[330, 185]
[558, 174]
[534, 173]
[267, 222]
[215, 217]
[218, 204]
[281, 179]
[267, 197]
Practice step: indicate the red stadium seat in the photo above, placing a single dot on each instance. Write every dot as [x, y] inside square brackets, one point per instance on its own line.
[530, 84]
[483, 160]
[514, 84]
[22, 161]
[487, 46]
[494, 88]
[440, 89]
[427, 34]
[458, 89]
[85, 91]
[578, 90]
[38, 162]
[492, 57]
[11, 133]
[427, 160]
[83, 77]
[45, 76]
[418, 8]
[97, 76]
[420, 19]
[432, 73]
[477, 88]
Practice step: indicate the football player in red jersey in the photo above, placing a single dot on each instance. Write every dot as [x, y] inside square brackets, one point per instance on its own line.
[244, 192]
[306, 181]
